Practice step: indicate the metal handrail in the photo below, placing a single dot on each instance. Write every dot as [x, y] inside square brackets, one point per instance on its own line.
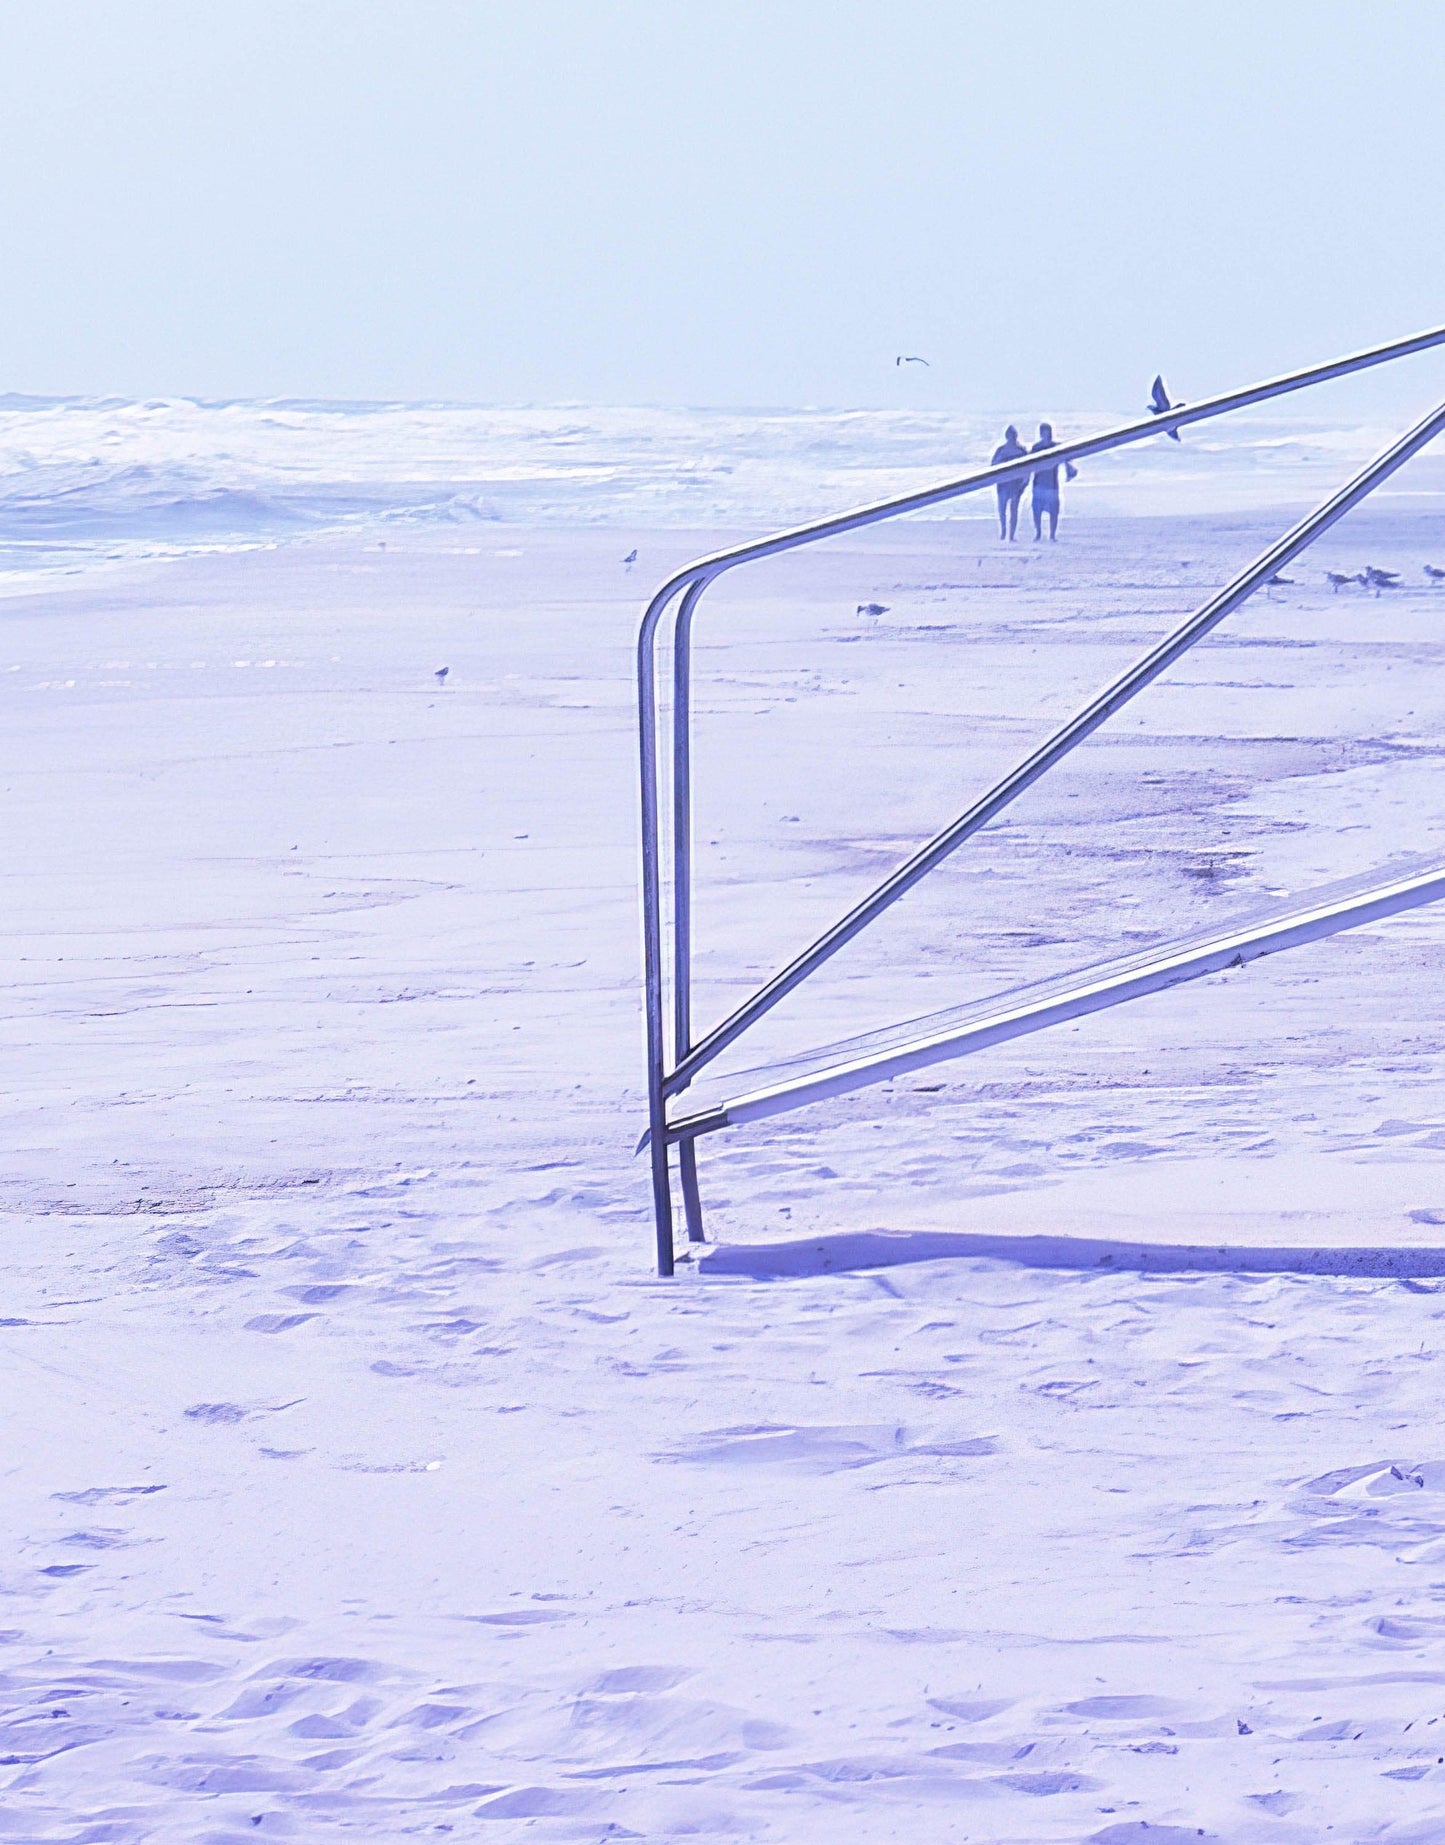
[692, 580]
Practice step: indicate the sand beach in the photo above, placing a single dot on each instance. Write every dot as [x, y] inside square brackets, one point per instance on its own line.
[1040, 1447]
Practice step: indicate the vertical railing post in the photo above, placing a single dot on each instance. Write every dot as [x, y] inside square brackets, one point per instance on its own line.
[682, 882]
[656, 1025]
[682, 821]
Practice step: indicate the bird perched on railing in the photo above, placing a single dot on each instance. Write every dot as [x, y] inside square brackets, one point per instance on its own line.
[1435, 574]
[1159, 404]
[871, 609]
[1338, 580]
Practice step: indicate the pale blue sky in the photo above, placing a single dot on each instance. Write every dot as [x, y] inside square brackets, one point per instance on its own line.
[689, 201]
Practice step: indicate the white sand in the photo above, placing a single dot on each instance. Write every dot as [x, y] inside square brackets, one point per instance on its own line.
[359, 1478]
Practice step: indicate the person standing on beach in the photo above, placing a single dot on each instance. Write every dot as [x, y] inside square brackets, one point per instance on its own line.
[1010, 492]
[1046, 488]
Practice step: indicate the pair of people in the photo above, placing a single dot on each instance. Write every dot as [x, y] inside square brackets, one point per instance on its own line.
[1045, 482]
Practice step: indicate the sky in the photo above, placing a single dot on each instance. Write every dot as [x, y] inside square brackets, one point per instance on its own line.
[688, 202]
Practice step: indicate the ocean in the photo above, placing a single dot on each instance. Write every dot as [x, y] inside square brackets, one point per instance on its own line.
[87, 481]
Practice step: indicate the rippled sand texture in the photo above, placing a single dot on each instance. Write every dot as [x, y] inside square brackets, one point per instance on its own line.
[1048, 1447]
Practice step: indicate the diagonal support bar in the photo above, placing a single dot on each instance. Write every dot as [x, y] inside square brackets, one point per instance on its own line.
[1083, 724]
[695, 578]
[1091, 993]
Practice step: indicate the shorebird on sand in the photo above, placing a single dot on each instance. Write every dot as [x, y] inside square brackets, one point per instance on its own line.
[630, 559]
[1159, 404]
[1379, 579]
[441, 674]
[1338, 580]
[871, 609]
[1435, 574]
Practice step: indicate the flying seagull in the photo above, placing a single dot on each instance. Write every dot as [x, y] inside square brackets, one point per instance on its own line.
[1435, 574]
[910, 359]
[441, 674]
[1159, 404]
[630, 559]
[873, 609]
[1338, 580]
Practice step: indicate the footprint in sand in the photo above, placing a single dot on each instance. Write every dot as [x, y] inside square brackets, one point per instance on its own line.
[107, 1495]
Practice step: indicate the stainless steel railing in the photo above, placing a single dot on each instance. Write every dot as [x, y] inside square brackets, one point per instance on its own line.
[687, 1056]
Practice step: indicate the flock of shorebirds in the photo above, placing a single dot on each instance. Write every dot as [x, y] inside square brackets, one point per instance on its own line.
[1368, 578]
[1371, 578]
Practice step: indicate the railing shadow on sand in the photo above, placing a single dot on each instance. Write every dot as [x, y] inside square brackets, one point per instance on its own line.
[862, 1251]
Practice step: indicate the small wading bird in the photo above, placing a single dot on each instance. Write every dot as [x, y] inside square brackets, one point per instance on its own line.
[1435, 574]
[871, 609]
[441, 674]
[1338, 580]
[1278, 582]
[630, 559]
[1159, 404]
[909, 359]
[1379, 579]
